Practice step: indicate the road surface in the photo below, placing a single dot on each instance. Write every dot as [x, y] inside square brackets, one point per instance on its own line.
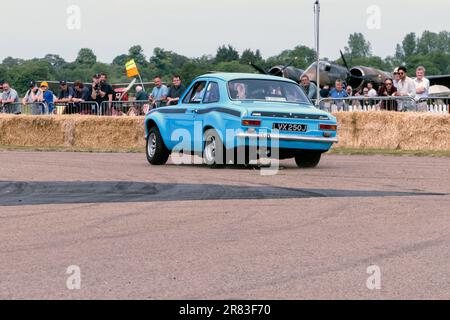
[190, 232]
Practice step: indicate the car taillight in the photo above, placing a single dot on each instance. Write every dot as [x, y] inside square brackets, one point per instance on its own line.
[251, 123]
[328, 127]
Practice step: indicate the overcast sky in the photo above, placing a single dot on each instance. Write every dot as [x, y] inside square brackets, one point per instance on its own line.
[196, 27]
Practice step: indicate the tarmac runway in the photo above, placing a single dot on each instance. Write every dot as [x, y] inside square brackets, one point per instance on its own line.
[190, 232]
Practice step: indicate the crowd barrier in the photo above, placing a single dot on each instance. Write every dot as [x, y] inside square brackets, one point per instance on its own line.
[35, 108]
[125, 108]
[86, 108]
[437, 105]
[361, 103]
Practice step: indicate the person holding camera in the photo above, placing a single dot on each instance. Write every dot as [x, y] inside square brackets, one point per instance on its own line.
[101, 92]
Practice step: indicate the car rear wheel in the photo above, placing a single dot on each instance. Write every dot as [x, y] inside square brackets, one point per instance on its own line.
[157, 152]
[308, 159]
[214, 150]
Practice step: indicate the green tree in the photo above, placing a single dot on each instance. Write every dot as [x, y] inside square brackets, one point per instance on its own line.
[86, 57]
[226, 54]
[409, 45]
[300, 57]
[427, 43]
[137, 53]
[358, 47]
[54, 60]
[251, 56]
[9, 62]
[121, 60]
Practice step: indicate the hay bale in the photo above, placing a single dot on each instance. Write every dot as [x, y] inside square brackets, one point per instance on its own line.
[392, 130]
[109, 132]
[27, 130]
[360, 130]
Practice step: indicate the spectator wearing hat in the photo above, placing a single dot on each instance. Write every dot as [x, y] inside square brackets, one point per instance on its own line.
[65, 93]
[47, 99]
[31, 98]
[10, 99]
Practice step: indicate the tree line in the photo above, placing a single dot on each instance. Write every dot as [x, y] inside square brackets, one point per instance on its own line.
[429, 49]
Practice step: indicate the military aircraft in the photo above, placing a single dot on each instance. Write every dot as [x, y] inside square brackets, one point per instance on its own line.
[357, 77]
[286, 71]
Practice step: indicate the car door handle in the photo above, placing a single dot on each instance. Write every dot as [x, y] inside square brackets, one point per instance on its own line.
[195, 111]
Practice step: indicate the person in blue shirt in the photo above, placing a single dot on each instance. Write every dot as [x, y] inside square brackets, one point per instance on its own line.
[47, 98]
[159, 93]
[339, 92]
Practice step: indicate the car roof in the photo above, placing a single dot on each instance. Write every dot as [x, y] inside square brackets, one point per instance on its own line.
[228, 76]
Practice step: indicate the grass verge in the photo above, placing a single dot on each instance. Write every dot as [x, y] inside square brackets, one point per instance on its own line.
[389, 152]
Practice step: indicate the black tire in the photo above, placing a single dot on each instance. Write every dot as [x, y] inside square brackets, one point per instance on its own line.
[156, 150]
[214, 154]
[308, 159]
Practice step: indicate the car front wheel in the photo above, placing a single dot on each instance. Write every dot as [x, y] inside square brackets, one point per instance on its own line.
[157, 152]
[308, 159]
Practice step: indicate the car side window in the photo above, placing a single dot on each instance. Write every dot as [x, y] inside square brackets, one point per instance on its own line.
[212, 94]
[196, 93]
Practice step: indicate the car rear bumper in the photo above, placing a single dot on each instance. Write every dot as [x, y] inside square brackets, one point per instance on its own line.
[286, 137]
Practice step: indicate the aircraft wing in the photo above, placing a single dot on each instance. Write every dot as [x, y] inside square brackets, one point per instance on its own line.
[443, 80]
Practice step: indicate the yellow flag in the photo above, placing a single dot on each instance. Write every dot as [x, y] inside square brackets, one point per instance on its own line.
[132, 70]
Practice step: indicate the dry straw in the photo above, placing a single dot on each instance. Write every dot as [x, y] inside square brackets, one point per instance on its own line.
[363, 130]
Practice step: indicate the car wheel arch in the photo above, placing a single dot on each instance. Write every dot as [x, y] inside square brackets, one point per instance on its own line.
[150, 123]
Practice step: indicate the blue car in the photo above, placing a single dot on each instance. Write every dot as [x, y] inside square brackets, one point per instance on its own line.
[236, 118]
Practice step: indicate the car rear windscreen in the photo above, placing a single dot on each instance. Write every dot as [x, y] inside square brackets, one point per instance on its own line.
[266, 90]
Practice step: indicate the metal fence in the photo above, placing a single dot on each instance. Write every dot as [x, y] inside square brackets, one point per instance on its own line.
[35, 108]
[125, 108]
[436, 105]
[86, 108]
[361, 103]
[115, 108]
[439, 105]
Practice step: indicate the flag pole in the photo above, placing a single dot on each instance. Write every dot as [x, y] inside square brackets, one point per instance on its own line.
[142, 82]
[317, 40]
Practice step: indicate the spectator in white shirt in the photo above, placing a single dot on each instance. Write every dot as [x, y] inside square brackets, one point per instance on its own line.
[372, 92]
[405, 88]
[422, 84]
[422, 88]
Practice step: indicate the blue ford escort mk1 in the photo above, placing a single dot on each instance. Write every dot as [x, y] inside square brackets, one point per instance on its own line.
[237, 118]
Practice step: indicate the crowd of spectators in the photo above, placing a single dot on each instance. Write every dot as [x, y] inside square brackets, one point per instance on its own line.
[99, 96]
[400, 86]
[96, 98]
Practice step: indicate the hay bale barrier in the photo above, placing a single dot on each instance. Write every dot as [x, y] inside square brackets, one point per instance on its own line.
[357, 130]
[77, 133]
[394, 131]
